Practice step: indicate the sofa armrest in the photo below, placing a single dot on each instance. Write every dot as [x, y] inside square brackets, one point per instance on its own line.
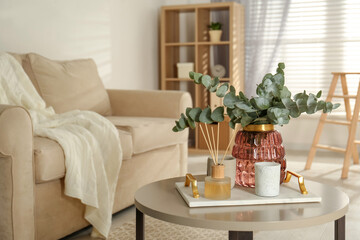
[16, 174]
[156, 103]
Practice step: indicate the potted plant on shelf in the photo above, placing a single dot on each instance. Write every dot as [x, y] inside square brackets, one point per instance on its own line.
[257, 141]
[215, 31]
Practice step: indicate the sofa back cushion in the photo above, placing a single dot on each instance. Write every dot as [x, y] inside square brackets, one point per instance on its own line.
[67, 85]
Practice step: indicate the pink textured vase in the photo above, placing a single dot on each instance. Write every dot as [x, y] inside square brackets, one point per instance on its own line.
[257, 143]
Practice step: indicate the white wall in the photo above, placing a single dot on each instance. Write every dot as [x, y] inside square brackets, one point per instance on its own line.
[121, 35]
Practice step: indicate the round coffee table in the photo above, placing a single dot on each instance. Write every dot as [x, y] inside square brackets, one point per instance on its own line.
[161, 200]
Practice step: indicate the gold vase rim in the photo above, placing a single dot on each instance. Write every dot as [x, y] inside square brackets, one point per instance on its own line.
[259, 128]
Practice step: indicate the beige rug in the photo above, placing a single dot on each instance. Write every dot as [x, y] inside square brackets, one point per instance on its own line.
[160, 230]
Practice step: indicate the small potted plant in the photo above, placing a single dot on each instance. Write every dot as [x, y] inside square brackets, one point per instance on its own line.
[258, 140]
[215, 31]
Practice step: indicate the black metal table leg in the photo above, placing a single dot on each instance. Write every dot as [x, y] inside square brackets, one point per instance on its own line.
[234, 235]
[139, 225]
[340, 229]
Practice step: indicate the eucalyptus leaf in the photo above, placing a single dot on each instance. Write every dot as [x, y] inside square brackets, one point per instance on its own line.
[260, 103]
[279, 79]
[188, 111]
[214, 88]
[285, 93]
[232, 124]
[191, 75]
[182, 121]
[191, 123]
[206, 81]
[197, 78]
[218, 114]
[205, 116]
[318, 95]
[245, 107]
[194, 114]
[232, 89]
[221, 91]
[246, 120]
[230, 99]
[215, 81]
[175, 129]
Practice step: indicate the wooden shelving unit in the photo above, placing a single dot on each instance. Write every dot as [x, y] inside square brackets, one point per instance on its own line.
[198, 49]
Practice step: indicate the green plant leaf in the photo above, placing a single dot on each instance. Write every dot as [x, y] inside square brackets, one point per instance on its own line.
[175, 129]
[197, 78]
[267, 76]
[281, 65]
[177, 124]
[221, 91]
[260, 103]
[182, 121]
[318, 95]
[232, 124]
[243, 97]
[245, 107]
[279, 79]
[188, 111]
[278, 115]
[218, 114]
[230, 99]
[206, 81]
[213, 89]
[229, 112]
[205, 116]
[191, 123]
[215, 81]
[311, 104]
[195, 114]
[246, 120]
[285, 93]
[336, 105]
[232, 89]
[191, 75]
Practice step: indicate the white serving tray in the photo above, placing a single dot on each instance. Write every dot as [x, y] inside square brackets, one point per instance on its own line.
[289, 193]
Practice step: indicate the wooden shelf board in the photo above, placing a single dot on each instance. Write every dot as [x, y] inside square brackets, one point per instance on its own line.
[179, 44]
[178, 79]
[214, 43]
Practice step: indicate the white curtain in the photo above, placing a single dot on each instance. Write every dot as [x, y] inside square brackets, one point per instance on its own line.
[264, 26]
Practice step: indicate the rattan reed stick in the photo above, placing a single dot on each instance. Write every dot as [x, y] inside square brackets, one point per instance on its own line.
[207, 144]
[209, 139]
[217, 147]
[232, 139]
[213, 137]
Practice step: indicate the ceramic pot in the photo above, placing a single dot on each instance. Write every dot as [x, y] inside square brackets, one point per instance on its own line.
[215, 35]
[257, 143]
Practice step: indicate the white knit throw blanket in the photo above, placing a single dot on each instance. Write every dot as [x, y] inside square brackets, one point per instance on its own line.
[90, 142]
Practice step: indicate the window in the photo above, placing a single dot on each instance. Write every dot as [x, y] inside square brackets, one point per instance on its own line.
[319, 37]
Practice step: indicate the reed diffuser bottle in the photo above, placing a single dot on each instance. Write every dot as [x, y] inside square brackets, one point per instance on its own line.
[217, 186]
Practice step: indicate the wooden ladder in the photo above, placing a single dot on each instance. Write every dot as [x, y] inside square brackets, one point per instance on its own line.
[351, 122]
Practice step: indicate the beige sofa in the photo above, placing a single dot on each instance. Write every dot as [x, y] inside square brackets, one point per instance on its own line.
[32, 202]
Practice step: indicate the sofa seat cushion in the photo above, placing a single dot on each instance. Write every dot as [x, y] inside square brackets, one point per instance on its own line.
[50, 161]
[149, 133]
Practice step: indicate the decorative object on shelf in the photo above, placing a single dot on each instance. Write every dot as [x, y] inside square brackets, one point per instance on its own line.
[230, 168]
[184, 68]
[274, 105]
[215, 31]
[253, 144]
[267, 179]
[218, 71]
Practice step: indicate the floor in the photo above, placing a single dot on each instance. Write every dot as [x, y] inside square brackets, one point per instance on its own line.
[326, 169]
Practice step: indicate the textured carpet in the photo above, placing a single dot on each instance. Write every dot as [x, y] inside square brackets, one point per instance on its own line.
[160, 230]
